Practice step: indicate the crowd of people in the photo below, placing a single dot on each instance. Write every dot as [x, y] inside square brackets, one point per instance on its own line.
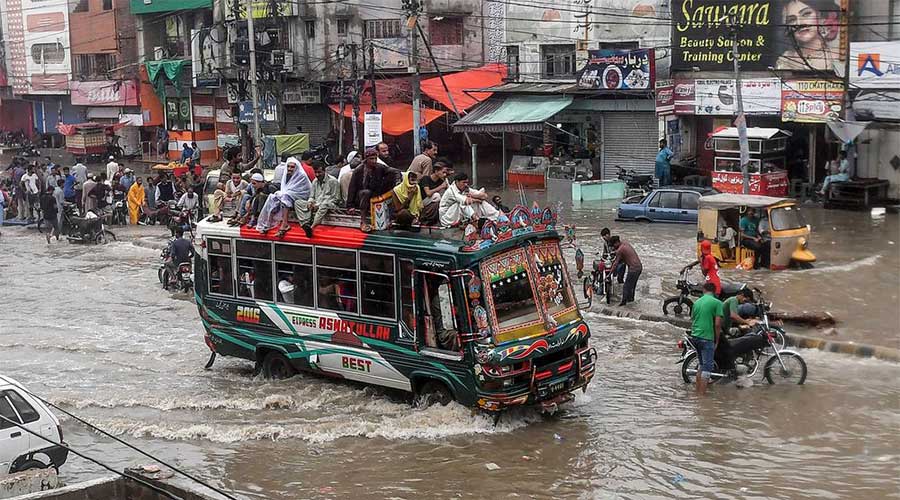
[44, 189]
[427, 193]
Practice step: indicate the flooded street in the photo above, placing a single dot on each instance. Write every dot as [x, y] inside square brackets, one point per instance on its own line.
[90, 329]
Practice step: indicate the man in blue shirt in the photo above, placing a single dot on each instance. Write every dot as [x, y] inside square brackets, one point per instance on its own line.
[68, 185]
[663, 166]
[750, 238]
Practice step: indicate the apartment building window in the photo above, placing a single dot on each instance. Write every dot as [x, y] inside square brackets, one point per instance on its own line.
[382, 28]
[559, 61]
[512, 62]
[82, 6]
[107, 5]
[448, 31]
[310, 29]
[48, 53]
[93, 65]
[343, 26]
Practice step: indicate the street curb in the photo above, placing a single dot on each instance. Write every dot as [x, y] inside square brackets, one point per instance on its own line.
[838, 346]
[151, 242]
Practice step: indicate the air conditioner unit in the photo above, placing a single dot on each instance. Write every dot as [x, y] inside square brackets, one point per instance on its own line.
[282, 60]
[288, 61]
[159, 53]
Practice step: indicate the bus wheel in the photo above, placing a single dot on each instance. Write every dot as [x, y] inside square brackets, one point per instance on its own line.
[433, 392]
[276, 366]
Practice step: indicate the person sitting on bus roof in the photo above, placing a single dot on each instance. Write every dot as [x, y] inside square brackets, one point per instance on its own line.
[407, 199]
[256, 197]
[295, 186]
[325, 197]
[432, 187]
[354, 159]
[459, 203]
[371, 179]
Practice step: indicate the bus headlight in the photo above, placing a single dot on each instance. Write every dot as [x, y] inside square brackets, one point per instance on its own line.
[802, 243]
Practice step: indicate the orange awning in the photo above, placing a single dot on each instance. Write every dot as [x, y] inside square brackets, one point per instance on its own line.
[396, 117]
[486, 76]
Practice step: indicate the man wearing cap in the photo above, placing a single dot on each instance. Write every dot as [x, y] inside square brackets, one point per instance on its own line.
[354, 159]
[371, 179]
[111, 168]
[127, 180]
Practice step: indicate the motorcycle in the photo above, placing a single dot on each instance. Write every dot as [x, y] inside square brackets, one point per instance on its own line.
[183, 280]
[600, 282]
[322, 153]
[87, 229]
[119, 209]
[179, 219]
[635, 184]
[762, 346]
[682, 304]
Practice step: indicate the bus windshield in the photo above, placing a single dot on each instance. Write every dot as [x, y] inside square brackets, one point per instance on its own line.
[525, 284]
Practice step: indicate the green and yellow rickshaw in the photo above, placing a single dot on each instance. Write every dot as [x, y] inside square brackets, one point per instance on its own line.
[781, 229]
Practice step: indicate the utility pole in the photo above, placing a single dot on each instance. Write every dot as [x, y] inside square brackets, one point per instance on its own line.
[254, 90]
[340, 57]
[372, 76]
[413, 8]
[741, 121]
[354, 70]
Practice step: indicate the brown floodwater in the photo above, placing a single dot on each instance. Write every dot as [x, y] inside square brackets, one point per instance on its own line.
[90, 329]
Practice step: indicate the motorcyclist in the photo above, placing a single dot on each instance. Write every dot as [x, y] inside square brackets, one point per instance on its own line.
[180, 251]
[708, 265]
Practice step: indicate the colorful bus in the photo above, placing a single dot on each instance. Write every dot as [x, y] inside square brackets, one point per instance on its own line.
[485, 316]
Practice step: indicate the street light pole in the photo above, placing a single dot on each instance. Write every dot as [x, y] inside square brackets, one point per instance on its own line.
[254, 90]
[741, 121]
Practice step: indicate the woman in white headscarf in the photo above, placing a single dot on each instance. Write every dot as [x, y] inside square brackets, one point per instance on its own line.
[295, 186]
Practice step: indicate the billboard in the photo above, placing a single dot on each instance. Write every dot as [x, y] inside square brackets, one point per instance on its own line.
[104, 93]
[618, 70]
[761, 96]
[665, 97]
[875, 65]
[811, 101]
[794, 35]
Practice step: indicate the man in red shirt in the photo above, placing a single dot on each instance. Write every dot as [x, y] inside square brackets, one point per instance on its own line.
[708, 265]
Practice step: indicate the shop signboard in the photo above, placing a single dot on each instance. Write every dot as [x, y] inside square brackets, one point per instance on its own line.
[618, 70]
[760, 96]
[104, 93]
[875, 65]
[780, 34]
[267, 109]
[811, 101]
[301, 95]
[769, 184]
[684, 97]
[372, 128]
[665, 97]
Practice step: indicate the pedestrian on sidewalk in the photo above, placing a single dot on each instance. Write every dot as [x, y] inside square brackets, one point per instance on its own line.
[625, 254]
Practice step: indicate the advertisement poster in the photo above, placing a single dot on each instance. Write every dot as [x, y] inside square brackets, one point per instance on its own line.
[372, 128]
[205, 57]
[665, 97]
[811, 101]
[684, 97]
[618, 70]
[781, 34]
[875, 65]
[104, 93]
[717, 97]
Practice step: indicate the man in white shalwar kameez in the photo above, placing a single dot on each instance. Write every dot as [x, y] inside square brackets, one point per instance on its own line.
[460, 204]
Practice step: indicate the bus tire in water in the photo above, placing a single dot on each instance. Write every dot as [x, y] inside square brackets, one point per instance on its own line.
[433, 392]
[793, 372]
[276, 366]
[31, 464]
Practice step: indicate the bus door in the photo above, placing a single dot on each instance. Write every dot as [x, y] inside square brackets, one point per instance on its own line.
[437, 322]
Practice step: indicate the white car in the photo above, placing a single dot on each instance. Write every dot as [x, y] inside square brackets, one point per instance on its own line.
[19, 449]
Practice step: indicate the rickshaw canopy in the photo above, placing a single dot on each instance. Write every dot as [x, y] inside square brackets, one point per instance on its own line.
[724, 201]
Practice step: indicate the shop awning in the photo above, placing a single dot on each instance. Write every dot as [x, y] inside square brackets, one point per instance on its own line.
[396, 117]
[512, 114]
[485, 76]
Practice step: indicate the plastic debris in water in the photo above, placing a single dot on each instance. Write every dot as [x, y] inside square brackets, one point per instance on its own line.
[558, 437]
[677, 479]
[491, 466]
[526, 458]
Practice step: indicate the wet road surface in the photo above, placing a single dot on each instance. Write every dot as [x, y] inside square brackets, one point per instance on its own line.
[90, 329]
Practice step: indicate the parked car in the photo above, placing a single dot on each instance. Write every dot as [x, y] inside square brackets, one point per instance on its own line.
[668, 204]
[20, 450]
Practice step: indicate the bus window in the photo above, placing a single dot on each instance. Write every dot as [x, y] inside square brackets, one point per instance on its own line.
[555, 292]
[513, 299]
[377, 275]
[407, 312]
[440, 329]
[219, 267]
[336, 275]
[294, 272]
[254, 272]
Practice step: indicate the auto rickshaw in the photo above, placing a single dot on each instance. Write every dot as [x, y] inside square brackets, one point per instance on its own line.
[780, 224]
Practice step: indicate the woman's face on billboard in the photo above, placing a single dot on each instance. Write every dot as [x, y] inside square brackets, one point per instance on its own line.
[804, 18]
